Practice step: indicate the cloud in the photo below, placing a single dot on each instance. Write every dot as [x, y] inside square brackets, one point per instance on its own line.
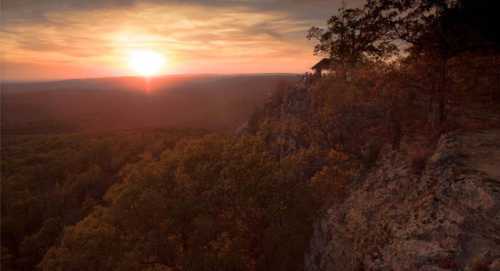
[35, 11]
[215, 35]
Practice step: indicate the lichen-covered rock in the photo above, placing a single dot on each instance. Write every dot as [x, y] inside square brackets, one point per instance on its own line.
[443, 218]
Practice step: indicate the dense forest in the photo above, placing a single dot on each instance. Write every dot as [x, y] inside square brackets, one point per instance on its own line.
[213, 102]
[402, 73]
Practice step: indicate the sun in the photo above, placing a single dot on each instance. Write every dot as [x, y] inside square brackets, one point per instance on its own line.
[146, 62]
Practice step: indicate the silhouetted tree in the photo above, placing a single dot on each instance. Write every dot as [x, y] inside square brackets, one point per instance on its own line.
[436, 31]
[355, 36]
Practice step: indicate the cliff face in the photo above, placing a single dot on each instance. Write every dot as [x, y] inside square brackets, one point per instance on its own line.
[445, 217]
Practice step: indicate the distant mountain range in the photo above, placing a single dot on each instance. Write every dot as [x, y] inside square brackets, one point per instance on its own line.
[165, 82]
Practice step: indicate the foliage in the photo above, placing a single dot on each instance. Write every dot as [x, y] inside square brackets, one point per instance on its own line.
[50, 181]
[354, 36]
[185, 200]
[214, 203]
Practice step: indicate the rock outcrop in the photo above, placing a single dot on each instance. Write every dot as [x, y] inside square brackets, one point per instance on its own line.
[443, 217]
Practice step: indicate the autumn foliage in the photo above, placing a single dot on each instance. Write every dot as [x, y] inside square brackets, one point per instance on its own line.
[192, 200]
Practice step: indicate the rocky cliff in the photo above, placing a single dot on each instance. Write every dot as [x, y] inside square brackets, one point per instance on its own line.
[445, 216]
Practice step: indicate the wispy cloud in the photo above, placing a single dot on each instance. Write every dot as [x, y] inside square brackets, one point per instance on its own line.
[197, 36]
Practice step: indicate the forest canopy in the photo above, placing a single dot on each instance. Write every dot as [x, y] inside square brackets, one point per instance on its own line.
[403, 73]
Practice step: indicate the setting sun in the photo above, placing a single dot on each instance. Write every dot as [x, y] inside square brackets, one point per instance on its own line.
[249, 135]
[146, 62]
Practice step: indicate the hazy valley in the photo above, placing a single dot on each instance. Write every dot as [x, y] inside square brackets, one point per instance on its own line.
[382, 153]
[210, 102]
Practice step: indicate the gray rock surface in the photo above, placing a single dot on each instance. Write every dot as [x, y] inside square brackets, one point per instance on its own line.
[446, 217]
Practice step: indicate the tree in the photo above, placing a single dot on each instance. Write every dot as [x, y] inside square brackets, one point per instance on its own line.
[435, 31]
[355, 36]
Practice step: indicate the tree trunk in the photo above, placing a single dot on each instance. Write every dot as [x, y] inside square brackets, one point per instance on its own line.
[442, 92]
[440, 112]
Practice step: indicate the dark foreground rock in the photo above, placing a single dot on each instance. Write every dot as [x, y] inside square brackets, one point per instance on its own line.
[444, 217]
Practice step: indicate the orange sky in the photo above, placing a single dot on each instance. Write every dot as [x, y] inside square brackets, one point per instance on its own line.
[67, 39]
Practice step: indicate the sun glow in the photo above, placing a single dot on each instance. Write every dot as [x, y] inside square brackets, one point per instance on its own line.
[146, 62]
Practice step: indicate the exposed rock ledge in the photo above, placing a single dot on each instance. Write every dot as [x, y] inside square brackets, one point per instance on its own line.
[446, 218]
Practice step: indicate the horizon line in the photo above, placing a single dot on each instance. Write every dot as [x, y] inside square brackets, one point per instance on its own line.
[2, 81]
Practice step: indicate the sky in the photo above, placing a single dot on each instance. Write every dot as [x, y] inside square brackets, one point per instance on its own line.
[61, 39]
